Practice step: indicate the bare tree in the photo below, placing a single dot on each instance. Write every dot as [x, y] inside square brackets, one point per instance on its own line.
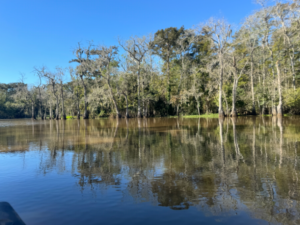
[221, 34]
[137, 49]
[40, 86]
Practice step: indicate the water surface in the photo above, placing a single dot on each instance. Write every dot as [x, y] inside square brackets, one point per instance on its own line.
[152, 171]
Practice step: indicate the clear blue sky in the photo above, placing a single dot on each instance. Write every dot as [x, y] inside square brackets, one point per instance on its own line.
[44, 32]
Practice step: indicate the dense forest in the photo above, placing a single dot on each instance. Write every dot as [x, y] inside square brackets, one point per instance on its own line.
[210, 68]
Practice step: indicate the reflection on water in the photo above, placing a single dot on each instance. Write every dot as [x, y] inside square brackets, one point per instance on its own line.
[215, 171]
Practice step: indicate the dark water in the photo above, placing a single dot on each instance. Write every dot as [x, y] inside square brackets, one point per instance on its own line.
[154, 171]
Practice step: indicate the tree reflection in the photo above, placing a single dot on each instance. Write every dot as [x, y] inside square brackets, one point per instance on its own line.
[216, 166]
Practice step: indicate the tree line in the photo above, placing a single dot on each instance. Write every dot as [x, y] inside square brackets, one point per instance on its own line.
[210, 68]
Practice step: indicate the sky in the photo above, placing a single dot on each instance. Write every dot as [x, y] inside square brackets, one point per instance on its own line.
[36, 33]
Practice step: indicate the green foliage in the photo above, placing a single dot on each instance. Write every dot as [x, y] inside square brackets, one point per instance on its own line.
[10, 106]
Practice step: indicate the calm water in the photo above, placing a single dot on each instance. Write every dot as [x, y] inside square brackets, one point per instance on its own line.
[152, 171]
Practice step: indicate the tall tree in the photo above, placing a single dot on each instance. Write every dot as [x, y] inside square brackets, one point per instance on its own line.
[221, 34]
[83, 70]
[164, 45]
[105, 65]
[137, 49]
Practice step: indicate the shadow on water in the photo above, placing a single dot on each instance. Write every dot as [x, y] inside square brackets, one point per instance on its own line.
[247, 164]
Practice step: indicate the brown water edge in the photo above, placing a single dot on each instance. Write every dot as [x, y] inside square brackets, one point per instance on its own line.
[216, 166]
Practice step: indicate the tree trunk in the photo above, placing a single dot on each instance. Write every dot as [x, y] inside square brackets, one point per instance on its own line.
[62, 101]
[274, 111]
[233, 110]
[252, 88]
[126, 115]
[139, 99]
[169, 87]
[45, 112]
[293, 70]
[180, 81]
[57, 109]
[78, 113]
[264, 78]
[279, 107]
[198, 106]
[147, 106]
[113, 98]
[32, 111]
[221, 112]
[40, 104]
[50, 113]
[86, 113]
[144, 109]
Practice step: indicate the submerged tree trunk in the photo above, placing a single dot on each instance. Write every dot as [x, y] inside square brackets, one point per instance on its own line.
[279, 107]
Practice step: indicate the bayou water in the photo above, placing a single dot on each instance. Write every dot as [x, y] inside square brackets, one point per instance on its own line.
[152, 171]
